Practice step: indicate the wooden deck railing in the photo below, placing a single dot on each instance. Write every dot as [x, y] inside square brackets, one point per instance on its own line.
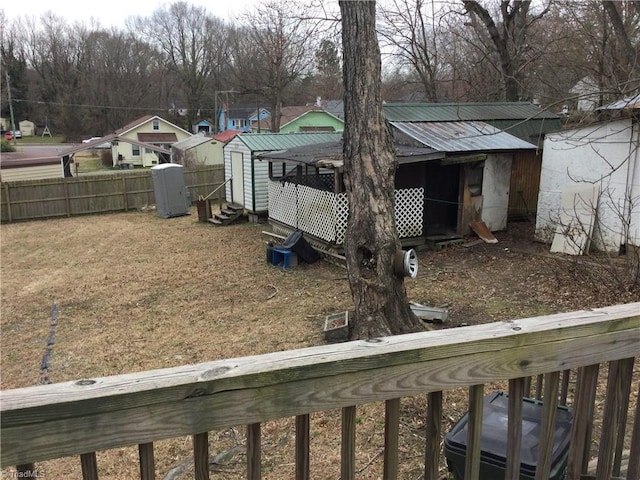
[85, 416]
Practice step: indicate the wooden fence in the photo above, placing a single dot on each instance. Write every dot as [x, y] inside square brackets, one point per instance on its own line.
[108, 192]
[84, 416]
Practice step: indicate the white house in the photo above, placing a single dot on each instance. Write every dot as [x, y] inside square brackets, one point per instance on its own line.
[601, 160]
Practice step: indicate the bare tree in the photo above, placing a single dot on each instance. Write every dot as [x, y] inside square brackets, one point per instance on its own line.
[508, 37]
[371, 245]
[272, 52]
[409, 28]
[195, 45]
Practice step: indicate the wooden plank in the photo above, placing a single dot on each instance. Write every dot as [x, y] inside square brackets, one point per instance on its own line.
[254, 452]
[474, 433]
[50, 421]
[550, 398]
[147, 461]
[201, 455]
[633, 469]
[89, 466]
[626, 378]
[613, 402]
[348, 446]
[391, 436]
[302, 447]
[481, 229]
[433, 435]
[514, 429]
[582, 417]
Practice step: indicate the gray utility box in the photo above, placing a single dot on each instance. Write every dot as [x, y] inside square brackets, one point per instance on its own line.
[172, 196]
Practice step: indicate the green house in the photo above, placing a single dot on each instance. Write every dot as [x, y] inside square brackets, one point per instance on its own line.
[296, 119]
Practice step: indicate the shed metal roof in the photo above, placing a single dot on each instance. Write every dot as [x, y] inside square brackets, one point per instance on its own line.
[330, 154]
[193, 141]
[455, 112]
[263, 142]
[470, 136]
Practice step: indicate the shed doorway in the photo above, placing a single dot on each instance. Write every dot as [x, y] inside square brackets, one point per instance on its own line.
[237, 178]
[441, 199]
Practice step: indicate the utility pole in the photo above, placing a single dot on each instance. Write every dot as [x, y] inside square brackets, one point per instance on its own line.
[13, 121]
[216, 123]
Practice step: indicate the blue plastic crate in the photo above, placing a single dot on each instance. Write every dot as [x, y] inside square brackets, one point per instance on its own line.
[282, 258]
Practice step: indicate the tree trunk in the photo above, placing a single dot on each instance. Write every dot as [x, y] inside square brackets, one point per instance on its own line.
[381, 305]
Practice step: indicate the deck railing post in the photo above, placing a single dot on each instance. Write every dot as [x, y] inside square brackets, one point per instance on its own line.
[201, 455]
[514, 429]
[550, 399]
[391, 436]
[348, 449]
[254, 453]
[89, 466]
[474, 432]
[433, 435]
[613, 402]
[582, 421]
[626, 372]
[302, 447]
[147, 461]
[633, 471]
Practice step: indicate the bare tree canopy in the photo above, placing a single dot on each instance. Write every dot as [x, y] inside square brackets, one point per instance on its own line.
[509, 38]
[195, 46]
[371, 244]
[272, 52]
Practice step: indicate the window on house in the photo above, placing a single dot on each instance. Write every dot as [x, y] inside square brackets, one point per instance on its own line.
[239, 123]
[156, 125]
[135, 150]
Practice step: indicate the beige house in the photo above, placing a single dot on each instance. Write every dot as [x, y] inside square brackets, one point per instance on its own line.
[15, 166]
[198, 150]
[150, 130]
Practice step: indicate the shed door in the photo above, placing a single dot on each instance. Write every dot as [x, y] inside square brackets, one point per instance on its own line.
[237, 181]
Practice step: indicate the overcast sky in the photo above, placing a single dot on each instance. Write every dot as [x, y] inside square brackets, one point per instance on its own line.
[112, 12]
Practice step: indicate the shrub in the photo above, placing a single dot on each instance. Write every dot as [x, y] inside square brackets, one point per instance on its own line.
[6, 146]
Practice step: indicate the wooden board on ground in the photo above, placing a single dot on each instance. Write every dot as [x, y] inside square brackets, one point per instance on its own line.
[480, 228]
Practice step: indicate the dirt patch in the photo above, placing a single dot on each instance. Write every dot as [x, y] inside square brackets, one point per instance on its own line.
[135, 292]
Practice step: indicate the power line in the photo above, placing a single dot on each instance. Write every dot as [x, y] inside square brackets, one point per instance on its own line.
[109, 107]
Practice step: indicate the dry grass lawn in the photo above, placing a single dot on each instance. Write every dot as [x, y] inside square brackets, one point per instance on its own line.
[134, 292]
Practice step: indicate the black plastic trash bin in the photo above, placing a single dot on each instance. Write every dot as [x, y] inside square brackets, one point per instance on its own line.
[493, 442]
[296, 243]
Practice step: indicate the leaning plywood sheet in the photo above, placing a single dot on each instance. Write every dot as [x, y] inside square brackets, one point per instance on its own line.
[578, 208]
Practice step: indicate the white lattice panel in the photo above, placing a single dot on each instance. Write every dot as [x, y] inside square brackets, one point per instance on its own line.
[408, 209]
[325, 214]
[342, 216]
[282, 203]
[316, 213]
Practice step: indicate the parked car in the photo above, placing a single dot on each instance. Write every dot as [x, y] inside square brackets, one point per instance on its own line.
[17, 134]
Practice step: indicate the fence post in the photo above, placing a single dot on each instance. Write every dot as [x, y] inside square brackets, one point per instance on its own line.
[6, 188]
[66, 197]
